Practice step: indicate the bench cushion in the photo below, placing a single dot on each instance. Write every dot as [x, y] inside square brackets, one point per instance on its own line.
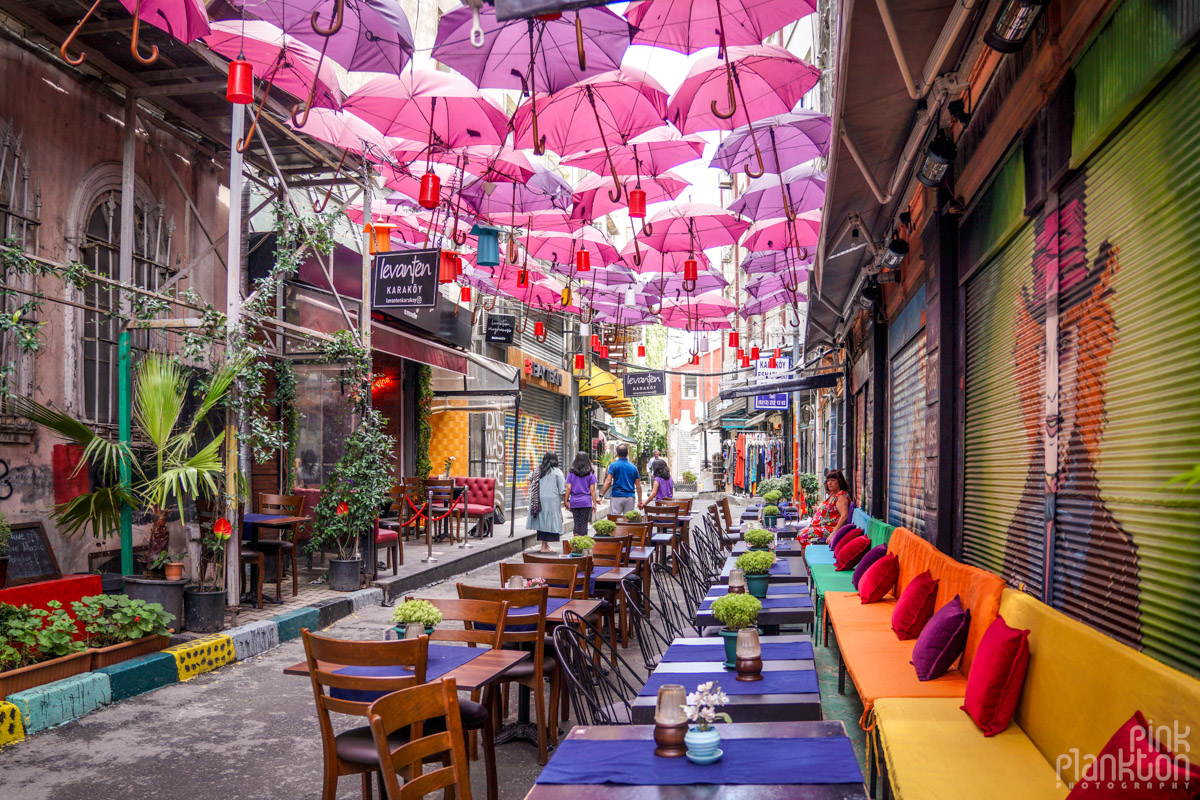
[934, 752]
[819, 554]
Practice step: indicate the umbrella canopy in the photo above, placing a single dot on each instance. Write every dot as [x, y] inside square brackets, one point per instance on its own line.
[499, 202]
[794, 191]
[776, 234]
[757, 82]
[185, 20]
[621, 314]
[650, 153]
[373, 35]
[704, 312]
[783, 141]
[562, 247]
[503, 62]
[279, 59]
[690, 25]
[770, 261]
[692, 226]
[441, 108]
[765, 285]
[593, 200]
[490, 162]
[344, 131]
[771, 302]
[612, 278]
[407, 181]
[673, 286]
[652, 261]
[545, 294]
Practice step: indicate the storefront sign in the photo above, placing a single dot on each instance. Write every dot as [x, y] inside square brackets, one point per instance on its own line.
[500, 328]
[540, 371]
[406, 279]
[645, 384]
[764, 372]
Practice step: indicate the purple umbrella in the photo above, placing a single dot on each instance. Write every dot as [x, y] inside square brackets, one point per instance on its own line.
[771, 302]
[621, 314]
[674, 286]
[786, 139]
[797, 190]
[772, 261]
[599, 278]
[500, 202]
[764, 285]
[367, 35]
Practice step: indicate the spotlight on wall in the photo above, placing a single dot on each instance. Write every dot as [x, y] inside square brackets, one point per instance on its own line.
[958, 110]
[938, 157]
[894, 254]
[869, 297]
[1012, 24]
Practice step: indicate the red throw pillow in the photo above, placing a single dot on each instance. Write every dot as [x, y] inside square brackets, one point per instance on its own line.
[850, 536]
[850, 552]
[1133, 766]
[997, 675]
[915, 606]
[879, 579]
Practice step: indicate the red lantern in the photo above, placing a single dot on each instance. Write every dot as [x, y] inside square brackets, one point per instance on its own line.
[604, 351]
[733, 338]
[771, 363]
[583, 261]
[641, 351]
[579, 361]
[637, 203]
[691, 270]
[523, 278]
[595, 341]
[458, 267]
[777, 353]
[381, 237]
[745, 361]
[446, 267]
[431, 190]
[696, 360]
[553, 15]
[741, 353]
[539, 329]
[754, 353]
[466, 294]
[241, 82]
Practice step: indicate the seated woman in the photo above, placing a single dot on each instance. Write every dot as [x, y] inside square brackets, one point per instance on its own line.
[833, 513]
[664, 486]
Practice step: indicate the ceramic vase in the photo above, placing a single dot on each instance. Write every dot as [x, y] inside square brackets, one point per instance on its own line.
[702, 746]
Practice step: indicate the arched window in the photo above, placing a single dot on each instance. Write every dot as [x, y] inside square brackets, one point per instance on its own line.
[20, 211]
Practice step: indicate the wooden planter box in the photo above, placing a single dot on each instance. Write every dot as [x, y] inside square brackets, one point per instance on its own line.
[18, 680]
[116, 653]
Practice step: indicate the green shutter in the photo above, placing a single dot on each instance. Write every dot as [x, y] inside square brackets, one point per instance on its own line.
[999, 211]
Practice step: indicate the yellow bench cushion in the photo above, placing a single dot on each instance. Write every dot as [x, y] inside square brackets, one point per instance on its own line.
[934, 751]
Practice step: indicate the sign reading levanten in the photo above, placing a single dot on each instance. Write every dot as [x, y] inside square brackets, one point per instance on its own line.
[765, 373]
[407, 279]
[645, 384]
[500, 328]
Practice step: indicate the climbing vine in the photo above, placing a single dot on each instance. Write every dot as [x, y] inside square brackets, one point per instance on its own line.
[424, 426]
[289, 418]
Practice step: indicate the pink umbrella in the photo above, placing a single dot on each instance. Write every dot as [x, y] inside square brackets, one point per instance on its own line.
[787, 140]
[750, 82]
[764, 284]
[690, 25]
[771, 261]
[650, 153]
[562, 247]
[779, 234]
[441, 108]
[651, 261]
[498, 164]
[546, 294]
[692, 226]
[185, 20]
[553, 221]
[344, 131]
[674, 286]
[794, 191]
[684, 318]
[593, 202]
[772, 302]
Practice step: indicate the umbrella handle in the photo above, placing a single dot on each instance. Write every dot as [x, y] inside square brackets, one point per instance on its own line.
[513, 253]
[75, 62]
[485, 305]
[244, 144]
[591, 314]
[637, 250]
[648, 228]
[762, 168]
[786, 194]
[544, 336]
[524, 323]
[579, 45]
[458, 238]
[539, 142]
[338, 17]
[319, 207]
[133, 40]
[655, 311]
[475, 314]
[732, 98]
[476, 24]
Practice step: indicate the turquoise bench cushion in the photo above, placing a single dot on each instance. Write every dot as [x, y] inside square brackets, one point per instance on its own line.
[860, 518]
[818, 554]
[826, 578]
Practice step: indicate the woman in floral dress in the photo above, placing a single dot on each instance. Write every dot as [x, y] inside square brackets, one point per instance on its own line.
[834, 512]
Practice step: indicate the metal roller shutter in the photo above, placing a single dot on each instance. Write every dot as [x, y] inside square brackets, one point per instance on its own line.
[1004, 501]
[1127, 553]
[542, 421]
[906, 437]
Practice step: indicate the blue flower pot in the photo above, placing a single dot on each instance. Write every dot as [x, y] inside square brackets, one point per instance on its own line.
[757, 585]
[702, 746]
[730, 639]
[770, 521]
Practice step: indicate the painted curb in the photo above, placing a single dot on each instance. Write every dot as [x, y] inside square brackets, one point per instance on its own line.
[364, 598]
[290, 622]
[62, 701]
[140, 675]
[12, 726]
[201, 655]
[253, 639]
[332, 609]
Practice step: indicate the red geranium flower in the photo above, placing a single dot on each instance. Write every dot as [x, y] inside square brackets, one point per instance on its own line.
[343, 509]
[222, 529]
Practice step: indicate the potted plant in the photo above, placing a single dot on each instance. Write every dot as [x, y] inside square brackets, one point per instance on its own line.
[634, 516]
[759, 539]
[38, 646]
[604, 527]
[702, 739]
[5, 532]
[582, 545]
[204, 603]
[117, 628]
[355, 490]
[757, 566]
[770, 514]
[420, 612]
[735, 611]
[171, 565]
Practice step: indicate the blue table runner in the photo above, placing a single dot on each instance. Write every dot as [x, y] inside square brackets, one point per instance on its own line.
[771, 651]
[442, 659]
[790, 681]
[770, 602]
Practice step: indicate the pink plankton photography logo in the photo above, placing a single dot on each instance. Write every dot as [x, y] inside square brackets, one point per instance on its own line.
[1154, 758]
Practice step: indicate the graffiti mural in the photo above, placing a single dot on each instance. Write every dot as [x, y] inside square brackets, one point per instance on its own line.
[537, 438]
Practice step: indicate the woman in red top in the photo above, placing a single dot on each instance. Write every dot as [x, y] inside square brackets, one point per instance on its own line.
[834, 512]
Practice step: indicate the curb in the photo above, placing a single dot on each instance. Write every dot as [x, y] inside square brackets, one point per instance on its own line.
[391, 588]
[50, 705]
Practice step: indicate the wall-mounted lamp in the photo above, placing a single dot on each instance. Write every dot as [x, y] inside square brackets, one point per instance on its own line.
[938, 157]
[894, 253]
[1012, 24]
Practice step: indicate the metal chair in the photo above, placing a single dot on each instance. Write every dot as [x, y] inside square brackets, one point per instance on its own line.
[652, 642]
[602, 685]
[407, 710]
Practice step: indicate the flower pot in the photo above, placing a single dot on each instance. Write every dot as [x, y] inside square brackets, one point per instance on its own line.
[343, 574]
[586, 553]
[730, 639]
[703, 746]
[168, 594]
[173, 571]
[123, 651]
[3, 571]
[56, 669]
[757, 585]
[112, 583]
[770, 521]
[203, 612]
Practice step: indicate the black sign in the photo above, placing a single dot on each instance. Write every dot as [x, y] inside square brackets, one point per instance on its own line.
[30, 558]
[406, 279]
[645, 384]
[500, 328]
[515, 9]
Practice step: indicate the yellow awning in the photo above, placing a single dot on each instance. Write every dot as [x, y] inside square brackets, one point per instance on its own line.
[600, 384]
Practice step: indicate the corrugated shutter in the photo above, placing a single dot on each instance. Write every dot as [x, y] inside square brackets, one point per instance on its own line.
[542, 422]
[906, 437]
[1127, 553]
[1004, 500]
[863, 447]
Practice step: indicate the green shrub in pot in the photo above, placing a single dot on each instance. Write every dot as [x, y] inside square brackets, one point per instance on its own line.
[756, 562]
[109, 619]
[758, 538]
[737, 611]
[773, 496]
[581, 543]
[634, 516]
[420, 611]
[604, 527]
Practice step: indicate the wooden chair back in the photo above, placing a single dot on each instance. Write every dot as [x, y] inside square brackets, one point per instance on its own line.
[410, 709]
[663, 519]
[285, 505]
[612, 551]
[440, 491]
[683, 504]
[637, 531]
[618, 518]
[483, 621]
[726, 512]
[562, 579]
[583, 569]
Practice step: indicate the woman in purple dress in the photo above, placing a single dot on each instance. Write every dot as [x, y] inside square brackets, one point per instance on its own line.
[580, 496]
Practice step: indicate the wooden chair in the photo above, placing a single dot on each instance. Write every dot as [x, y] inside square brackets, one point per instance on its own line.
[583, 570]
[726, 512]
[527, 628]
[404, 713]
[440, 492]
[410, 520]
[283, 505]
[638, 531]
[613, 552]
[665, 519]
[353, 752]
[561, 579]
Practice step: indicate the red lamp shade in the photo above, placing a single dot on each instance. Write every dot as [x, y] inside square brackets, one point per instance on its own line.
[745, 361]
[539, 328]
[466, 294]
[696, 360]
[446, 273]
[604, 351]
[741, 353]
[754, 353]
[583, 261]
[733, 338]
[579, 361]
[641, 351]
[778, 353]
[553, 15]
[523, 278]
[241, 82]
[637, 203]
[691, 270]
[431, 190]
[381, 237]
[595, 341]
[771, 363]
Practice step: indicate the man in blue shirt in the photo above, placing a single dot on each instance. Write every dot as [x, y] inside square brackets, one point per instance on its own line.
[623, 478]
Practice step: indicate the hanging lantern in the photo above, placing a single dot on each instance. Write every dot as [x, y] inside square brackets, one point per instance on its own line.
[745, 361]
[733, 338]
[241, 82]
[741, 353]
[523, 278]
[431, 190]
[579, 361]
[630, 297]
[583, 261]
[466, 294]
[604, 351]
[488, 253]
[696, 360]
[778, 353]
[553, 15]
[771, 363]
[380, 240]
[595, 341]
[641, 351]
[446, 273]
[566, 296]
[691, 270]
[754, 353]
[637, 203]
[539, 329]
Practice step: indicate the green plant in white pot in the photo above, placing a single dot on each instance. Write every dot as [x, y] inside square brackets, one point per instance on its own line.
[416, 612]
[735, 611]
[582, 545]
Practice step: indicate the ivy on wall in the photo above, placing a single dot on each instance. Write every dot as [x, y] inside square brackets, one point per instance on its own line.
[424, 426]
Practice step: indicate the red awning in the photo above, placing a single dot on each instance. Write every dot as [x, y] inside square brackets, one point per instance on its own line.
[397, 343]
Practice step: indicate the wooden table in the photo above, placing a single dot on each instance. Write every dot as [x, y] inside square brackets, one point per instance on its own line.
[475, 674]
[645, 733]
[796, 609]
[775, 707]
[798, 572]
[266, 521]
[785, 548]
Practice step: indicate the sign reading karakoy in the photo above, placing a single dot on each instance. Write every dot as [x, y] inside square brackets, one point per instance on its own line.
[407, 279]
[645, 384]
[763, 371]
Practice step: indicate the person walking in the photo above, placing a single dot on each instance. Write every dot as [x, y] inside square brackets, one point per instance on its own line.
[580, 496]
[664, 485]
[625, 481]
[545, 490]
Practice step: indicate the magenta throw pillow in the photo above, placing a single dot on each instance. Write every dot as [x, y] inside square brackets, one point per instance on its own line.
[864, 564]
[840, 533]
[997, 675]
[1134, 750]
[879, 579]
[914, 606]
[850, 552]
[943, 641]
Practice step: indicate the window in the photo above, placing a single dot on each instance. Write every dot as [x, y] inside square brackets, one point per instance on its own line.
[20, 207]
[691, 387]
